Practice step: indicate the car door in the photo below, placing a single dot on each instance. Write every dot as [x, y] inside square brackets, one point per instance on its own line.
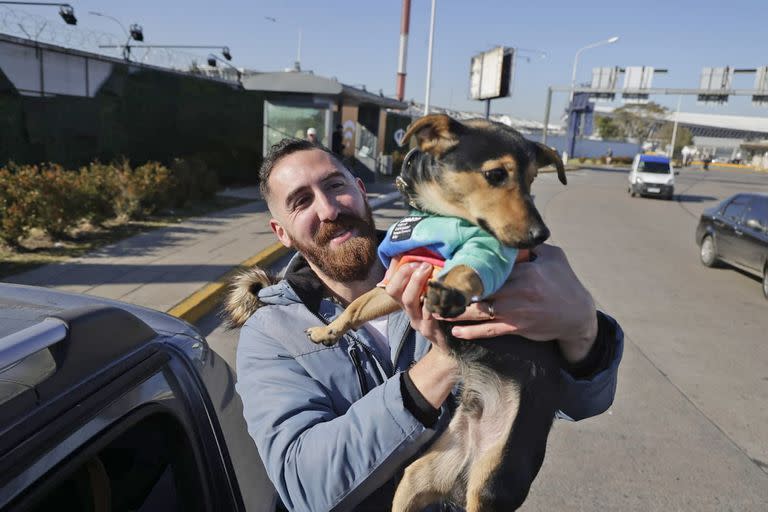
[752, 244]
[727, 225]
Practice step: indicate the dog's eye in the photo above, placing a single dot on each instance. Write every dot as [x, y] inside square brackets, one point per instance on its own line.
[495, 177]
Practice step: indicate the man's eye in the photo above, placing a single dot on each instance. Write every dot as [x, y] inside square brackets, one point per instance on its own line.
[495, 177]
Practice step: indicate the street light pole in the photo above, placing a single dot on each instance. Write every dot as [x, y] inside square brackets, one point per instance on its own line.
[136, 33]
[429, 58]
[576, 60]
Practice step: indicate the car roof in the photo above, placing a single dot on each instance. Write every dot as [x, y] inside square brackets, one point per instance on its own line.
[51, 340]
[655, 158]
[23, 306]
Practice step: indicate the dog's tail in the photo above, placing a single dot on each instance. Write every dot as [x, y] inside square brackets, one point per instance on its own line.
[242, 298]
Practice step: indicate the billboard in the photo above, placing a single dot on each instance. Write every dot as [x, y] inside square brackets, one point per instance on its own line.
[490, 74]
[604, 78]
[637, 79]
[716, 82]
[761, 87]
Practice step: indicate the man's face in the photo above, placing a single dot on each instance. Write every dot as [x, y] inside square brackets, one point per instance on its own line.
[312, 137]
[320, 210]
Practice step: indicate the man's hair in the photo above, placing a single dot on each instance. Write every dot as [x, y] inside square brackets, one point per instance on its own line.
[279, 151]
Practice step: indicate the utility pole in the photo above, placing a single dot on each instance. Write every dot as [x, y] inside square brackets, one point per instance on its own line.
[405, 22]
[429, 58]
[546, 116]
[674, 129]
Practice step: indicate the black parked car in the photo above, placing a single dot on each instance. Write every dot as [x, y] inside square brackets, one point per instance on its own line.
[736, 232]
[109, 406]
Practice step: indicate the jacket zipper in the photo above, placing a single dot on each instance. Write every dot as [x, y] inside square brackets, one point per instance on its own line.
[352, 350]
[355, 356]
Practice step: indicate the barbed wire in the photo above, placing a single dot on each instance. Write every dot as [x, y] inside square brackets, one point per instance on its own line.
[18, 23]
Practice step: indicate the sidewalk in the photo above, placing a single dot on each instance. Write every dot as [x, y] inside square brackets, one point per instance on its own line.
[161, 268]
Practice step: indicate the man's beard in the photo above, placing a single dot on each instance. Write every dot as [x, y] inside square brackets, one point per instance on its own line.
[350, 261]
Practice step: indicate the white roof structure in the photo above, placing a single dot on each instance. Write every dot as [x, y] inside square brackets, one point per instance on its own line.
[741, 123]
[712, 125]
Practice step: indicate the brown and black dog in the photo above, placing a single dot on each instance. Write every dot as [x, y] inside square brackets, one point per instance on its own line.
[493, 448]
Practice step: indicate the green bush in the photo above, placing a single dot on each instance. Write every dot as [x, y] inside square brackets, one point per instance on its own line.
[193, 180]
[45, 197]
[55, 200]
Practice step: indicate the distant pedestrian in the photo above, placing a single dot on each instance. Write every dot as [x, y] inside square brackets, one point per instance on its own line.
[337, 144]
[609, 156]
[312, 135]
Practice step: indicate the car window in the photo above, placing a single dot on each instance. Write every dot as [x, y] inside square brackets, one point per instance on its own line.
[149, 467]
[654, 167]
[735, 211]
[758, 210]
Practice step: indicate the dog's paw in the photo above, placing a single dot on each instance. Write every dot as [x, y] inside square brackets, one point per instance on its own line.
[446, 302]
[324, 335]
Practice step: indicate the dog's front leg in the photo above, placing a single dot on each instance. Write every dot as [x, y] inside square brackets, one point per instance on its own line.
[452, 293]
[365, 308]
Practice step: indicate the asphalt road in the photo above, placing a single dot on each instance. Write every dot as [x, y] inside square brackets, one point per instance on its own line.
[689, 426]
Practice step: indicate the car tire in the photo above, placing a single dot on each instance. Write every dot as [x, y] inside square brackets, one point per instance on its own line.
[708, 252]
[765, 281]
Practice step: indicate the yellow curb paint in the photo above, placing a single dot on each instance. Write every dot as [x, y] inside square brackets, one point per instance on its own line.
[203, 301]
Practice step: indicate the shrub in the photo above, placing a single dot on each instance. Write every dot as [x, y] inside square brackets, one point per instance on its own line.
[142, 191]
[37, 197]
[193, 180]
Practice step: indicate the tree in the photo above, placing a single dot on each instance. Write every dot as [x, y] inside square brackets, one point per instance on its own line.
[608, 129]
[684, 137]
[639, 121]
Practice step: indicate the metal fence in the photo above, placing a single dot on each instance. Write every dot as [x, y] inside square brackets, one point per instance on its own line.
[18, 23]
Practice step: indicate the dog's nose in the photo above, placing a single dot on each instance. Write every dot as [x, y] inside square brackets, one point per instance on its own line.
[538, 234]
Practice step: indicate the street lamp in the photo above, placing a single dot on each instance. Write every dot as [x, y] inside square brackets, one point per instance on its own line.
[576, 59]
[66, 11]
[212, 59]
[136, 33]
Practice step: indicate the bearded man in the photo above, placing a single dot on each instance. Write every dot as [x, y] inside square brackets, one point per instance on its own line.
[335, 426]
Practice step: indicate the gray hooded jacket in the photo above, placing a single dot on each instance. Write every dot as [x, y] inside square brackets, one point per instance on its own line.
[329, 422]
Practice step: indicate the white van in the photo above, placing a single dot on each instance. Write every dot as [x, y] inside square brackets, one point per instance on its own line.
[652, 175]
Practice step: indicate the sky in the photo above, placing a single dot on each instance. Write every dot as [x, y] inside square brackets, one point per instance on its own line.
[357, 41]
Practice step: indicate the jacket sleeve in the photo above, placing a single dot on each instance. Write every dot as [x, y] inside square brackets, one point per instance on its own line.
[587, 397]
[317, 458]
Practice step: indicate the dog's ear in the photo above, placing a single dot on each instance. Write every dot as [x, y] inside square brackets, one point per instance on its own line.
[545, 155]
[435, 133]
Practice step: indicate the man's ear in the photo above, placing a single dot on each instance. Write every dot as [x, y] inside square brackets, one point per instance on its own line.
[435, 133]
[545, 156]
[280, 232]
[361, 186]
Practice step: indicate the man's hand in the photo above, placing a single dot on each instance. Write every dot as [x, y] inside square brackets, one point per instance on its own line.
[435, 374]
[542, 300]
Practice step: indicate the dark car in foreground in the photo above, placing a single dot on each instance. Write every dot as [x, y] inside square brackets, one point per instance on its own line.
[736, 232]
[110, 406]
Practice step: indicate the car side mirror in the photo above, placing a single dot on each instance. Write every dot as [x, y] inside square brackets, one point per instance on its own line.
[754, 224]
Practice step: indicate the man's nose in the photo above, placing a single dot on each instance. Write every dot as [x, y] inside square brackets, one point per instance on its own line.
[327, 207]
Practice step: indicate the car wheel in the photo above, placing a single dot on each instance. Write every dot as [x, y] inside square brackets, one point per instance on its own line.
[708, 252]
[765, 281]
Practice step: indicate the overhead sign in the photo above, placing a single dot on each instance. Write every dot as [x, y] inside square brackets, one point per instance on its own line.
[761, 87]
[490, 74]
[637, 80]
[716, 82]
[604, 78]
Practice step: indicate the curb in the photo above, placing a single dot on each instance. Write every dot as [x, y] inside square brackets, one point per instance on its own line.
[205, 300]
